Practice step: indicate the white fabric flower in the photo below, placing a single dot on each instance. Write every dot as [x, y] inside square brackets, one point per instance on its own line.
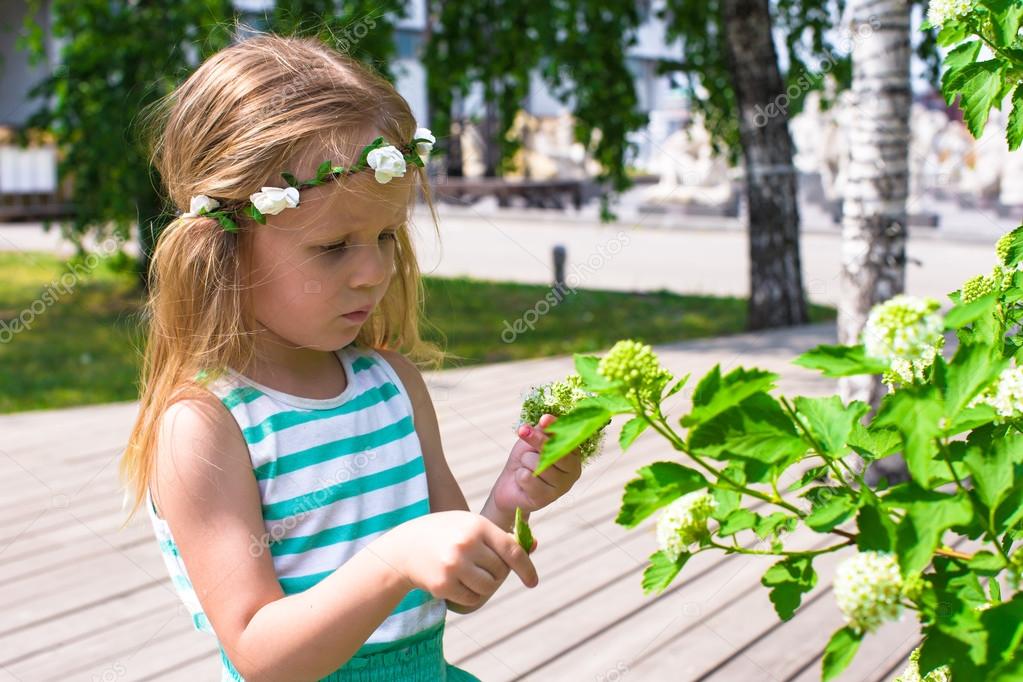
[868, 589]
[424, 148]
[388, 163]
[273, 200]
[199, 203]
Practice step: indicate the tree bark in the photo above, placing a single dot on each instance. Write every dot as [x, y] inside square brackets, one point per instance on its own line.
[874, 216]
[776, 297]
[874, 205]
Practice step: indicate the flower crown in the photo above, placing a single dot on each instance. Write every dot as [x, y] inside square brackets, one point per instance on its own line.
[385, 159]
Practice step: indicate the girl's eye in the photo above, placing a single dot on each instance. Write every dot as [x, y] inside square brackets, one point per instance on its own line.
[340, 247]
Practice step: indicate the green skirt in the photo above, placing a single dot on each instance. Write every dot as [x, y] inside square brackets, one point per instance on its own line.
[419, 658]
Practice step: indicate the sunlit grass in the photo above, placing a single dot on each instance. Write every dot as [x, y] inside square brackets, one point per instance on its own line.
[83, 333]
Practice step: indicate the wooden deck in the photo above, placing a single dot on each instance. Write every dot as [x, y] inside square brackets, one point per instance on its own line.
[84, 600]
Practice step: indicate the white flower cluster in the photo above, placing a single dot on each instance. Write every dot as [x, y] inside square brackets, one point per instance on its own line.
[1005, 394]
[559, 398]
[940, 11]
[905, 332]
[683, 523]
[912, 671]
[868, 589]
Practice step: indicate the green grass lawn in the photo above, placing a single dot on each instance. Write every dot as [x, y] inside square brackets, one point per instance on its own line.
[81, 343]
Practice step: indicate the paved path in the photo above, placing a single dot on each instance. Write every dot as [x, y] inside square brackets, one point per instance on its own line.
[85, 600]
[696, 255]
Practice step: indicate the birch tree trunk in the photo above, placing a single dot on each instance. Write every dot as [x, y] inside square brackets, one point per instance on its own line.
[776, 298]
[874, 206]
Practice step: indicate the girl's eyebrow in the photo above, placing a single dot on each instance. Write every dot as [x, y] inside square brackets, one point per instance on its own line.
[333, 239]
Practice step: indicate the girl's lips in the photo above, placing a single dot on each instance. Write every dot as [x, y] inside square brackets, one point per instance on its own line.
[358, 316]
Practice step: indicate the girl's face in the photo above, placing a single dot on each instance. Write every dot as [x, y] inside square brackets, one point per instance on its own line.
[332, 255]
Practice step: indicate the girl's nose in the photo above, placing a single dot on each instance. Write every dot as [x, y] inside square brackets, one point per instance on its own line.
[373, 266]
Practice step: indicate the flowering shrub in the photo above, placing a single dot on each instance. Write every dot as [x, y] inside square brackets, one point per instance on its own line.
[988, 28]
[753, 467]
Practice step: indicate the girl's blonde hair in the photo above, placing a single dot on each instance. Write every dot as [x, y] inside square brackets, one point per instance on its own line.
[236, 122]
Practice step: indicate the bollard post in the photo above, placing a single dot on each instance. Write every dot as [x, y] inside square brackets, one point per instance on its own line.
[559, 271]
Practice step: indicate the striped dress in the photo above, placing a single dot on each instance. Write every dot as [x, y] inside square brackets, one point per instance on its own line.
[333, 475]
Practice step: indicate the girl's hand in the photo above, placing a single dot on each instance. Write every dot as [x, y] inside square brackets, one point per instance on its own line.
[518, 487]
[455, 555]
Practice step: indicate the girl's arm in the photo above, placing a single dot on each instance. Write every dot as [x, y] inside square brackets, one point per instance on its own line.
[445, 493]
[204, 487]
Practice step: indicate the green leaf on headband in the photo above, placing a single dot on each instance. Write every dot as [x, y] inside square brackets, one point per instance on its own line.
[375, 144]
[255, 214]
[337, 170]
[322, 171]
[225, 222]
[290, 179]
[414, 158]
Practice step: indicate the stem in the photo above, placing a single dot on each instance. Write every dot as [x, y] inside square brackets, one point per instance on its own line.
[986, 521]
[809, 552]
[661, 426]
[817, 447]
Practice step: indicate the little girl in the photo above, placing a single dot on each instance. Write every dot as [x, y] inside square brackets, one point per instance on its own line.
[287, 452]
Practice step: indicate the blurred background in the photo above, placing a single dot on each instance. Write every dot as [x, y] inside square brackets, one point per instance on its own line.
[559, 125]
[734, 180]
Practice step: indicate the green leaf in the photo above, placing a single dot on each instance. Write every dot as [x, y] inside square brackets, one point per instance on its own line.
[840, 361]
[1005, 19]
[569, 431]
[1014, 129]
[586, 368]
[523, 535]
[255, 214]
[323, 170]
[832, 512]
[738, 520]
[991, 462]
[831, 421]
[924, 524]
[375, 144]
[662, 570]
[952, 32]
[658, 484]
[978, 85]
[789, 580]
[987, 563]
[915, 412]
[962, 54]
[1004, 624]
[963, 314]
[677, 386]
[756, 429]
[874, 442]
[810, 475]
[839, 652]
[631, 431]
[225, 222]
[714, 395]
[973, 368]
[290, 179]
[776, 522]
[876, 530]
